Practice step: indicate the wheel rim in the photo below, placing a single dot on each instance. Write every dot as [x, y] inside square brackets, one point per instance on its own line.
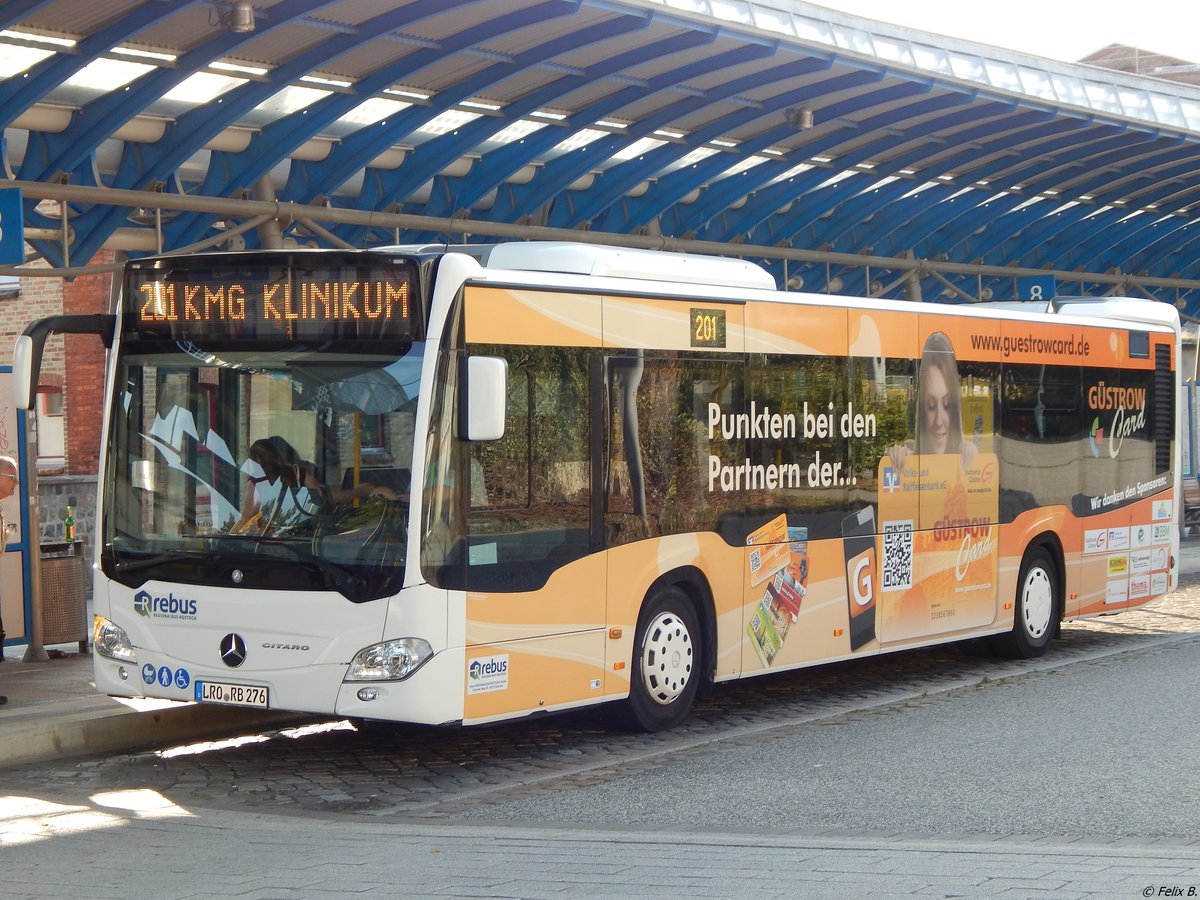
[666, 658]
[1037, 603]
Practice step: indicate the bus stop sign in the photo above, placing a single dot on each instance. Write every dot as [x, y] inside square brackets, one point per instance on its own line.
[12, 227]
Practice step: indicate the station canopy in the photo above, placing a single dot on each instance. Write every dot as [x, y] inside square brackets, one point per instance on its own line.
[840, 152]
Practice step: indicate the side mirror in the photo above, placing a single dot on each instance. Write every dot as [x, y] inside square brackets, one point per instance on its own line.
[483, 388]
[27, 353]
[24, 371]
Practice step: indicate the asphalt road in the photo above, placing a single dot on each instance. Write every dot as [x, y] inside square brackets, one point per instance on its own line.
[1101, 748]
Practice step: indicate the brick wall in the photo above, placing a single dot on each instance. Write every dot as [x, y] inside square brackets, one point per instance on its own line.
[83, 384]
[38, 297]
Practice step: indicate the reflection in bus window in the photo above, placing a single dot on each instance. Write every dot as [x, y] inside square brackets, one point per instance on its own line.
[527, 507]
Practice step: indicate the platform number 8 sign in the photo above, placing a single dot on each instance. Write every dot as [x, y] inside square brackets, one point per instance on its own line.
[1036, 287]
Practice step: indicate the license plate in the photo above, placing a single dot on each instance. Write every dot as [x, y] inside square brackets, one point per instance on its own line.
[231, 694]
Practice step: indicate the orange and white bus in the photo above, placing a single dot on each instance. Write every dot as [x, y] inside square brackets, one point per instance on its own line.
[438, 487]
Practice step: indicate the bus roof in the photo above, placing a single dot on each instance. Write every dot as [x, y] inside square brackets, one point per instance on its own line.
[623, 262]
[1128, 309]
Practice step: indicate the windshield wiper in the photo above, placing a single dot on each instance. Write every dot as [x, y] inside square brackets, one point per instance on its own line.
[174, 556]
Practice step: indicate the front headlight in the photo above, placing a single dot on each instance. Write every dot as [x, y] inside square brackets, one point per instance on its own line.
[389, 661]
[111, 641]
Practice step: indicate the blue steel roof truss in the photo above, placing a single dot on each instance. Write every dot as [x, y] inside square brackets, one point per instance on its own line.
[757, 211]
[279, 138]
[814, 198]
[486, 176]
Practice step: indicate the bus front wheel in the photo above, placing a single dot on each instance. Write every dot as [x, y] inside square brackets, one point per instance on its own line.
[1037, 608]
[666, 662]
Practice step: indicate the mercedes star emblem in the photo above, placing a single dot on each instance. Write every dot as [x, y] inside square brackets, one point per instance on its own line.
[233, 650]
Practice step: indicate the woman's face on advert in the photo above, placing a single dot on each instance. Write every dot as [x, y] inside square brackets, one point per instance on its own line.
[935, 413]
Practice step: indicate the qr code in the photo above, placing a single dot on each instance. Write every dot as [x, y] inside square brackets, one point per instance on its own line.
[897, 555]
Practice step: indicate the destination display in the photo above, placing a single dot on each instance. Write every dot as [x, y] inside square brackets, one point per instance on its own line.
[272, 301]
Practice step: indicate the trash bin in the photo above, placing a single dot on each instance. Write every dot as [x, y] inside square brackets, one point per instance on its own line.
[64, 601]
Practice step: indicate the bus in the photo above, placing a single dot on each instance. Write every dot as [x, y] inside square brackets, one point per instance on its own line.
[455, 486]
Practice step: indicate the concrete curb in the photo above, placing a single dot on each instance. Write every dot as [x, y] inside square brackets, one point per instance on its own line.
[41, 738]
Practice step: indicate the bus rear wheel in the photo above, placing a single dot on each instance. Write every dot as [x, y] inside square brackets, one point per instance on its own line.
[1037, 608]
[666, 662]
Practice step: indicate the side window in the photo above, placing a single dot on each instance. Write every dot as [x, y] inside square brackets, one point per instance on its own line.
[442, 545]
[668, 460]
[884, 392]
[1120, 441]
[1042, 429]
[1132, 427]
[500, 469]
[530, 493]
[811, 453]
[980, 386]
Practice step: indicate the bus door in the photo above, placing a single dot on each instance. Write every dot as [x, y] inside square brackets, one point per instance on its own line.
[535, 590]
[945, 480]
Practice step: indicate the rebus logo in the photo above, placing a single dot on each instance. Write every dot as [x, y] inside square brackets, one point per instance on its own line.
[480, 668]
[148, 606]
[487, 674]
[860, 572]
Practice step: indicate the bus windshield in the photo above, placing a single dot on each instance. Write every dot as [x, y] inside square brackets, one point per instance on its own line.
[262, 423]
